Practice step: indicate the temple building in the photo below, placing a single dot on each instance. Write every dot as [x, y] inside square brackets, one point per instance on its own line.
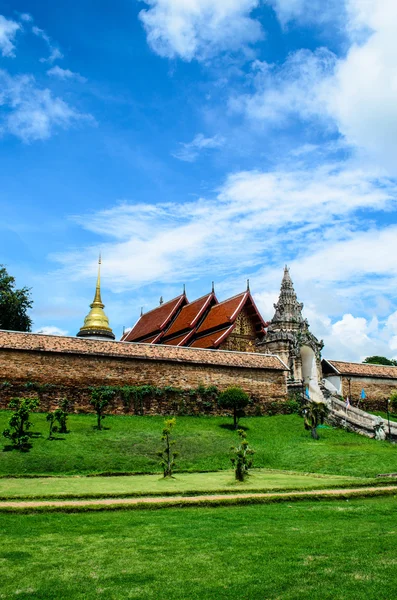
[234, 324]
[96, 324]
[289, 337]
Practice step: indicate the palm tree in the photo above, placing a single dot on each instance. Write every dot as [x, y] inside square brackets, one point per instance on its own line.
[314, 413]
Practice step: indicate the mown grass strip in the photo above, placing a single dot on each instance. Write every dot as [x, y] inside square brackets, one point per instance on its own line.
[188, 494]
[195, 501]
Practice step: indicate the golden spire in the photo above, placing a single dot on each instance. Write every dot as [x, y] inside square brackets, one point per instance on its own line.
[96, 323]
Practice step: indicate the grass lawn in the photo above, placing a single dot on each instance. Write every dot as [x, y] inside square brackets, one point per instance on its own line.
[130, 445]
[339, 550]
[183, 483]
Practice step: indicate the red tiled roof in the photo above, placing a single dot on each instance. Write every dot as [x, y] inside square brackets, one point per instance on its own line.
[35, 342]
[190, 315]
[180, 340]
[212, 340]
[361, 369]
[155, 321]
[226, 312]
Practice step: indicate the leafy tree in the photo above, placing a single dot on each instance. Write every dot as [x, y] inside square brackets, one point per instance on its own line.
[100, 398]
[314, 414]
[14, 304]
[241, 461]
[53, 428]
[19, 423]
[58, 416]
[380, 360]
[167, 455]
[62, 415]
[235, 399]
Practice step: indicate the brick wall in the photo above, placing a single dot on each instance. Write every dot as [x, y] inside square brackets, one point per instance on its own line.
[376, 389]
[69, 367]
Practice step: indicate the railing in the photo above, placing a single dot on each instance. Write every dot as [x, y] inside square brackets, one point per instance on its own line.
[360, 421]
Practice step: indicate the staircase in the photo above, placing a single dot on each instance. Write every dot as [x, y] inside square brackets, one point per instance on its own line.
[358, 420]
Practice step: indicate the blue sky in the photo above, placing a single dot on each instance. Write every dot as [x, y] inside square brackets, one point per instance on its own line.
[192, 141]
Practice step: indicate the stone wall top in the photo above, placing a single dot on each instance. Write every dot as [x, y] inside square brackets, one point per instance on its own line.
[35, 342]
[339, 367]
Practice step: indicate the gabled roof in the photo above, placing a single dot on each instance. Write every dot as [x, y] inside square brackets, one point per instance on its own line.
[189, 317]
[222, 318]
[212, 340]
[339, 367]
[153, 323]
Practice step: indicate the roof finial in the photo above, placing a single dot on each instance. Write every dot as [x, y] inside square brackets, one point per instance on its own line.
[213, 287]
[184, 289]
[248, 285]
[161, 300]
[141, 311]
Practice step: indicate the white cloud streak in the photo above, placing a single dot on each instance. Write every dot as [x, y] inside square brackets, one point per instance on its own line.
[189, 152]
[8, 31]
[51, 330]
[246, 224]
[198, 29]
[55, 53]
[65, 74]
[30, 112]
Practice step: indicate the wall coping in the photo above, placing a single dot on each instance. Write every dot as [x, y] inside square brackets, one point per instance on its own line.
[38, 342]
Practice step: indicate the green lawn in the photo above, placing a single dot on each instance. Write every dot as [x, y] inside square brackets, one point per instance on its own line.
[339, 550]
[183, 483]
[130, 445]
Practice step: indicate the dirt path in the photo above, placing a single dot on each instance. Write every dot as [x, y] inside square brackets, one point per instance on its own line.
[192, 500]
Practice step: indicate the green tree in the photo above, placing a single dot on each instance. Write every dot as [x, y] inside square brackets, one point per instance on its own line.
[380, 360]
[167, 455]
[19, 424]
[14, 304]
[241, 459]
[62, 414]
[53, 428]
[100, 399]
[314, 414]
[235, 399]
[59, 416]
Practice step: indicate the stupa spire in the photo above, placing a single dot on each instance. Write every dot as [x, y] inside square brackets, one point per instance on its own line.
[288, 309]
[96, 324]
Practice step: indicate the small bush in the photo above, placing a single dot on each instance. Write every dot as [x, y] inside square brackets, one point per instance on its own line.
[241, 459]
[167, 456]
[236, 400]
[100, 398]
[19, 423]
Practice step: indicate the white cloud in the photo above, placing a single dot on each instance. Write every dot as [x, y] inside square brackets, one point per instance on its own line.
[353, 95]
[256, 218]
[307, 11]
[60, 73]
[362, 95]
[32, 113]
[189, 152]
[191, 29]
[26, 17]
[284, 91]
[8, 31]
[55, 53]
[51, 330]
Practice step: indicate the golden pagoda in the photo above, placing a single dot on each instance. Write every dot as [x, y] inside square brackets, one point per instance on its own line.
[96, 324]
